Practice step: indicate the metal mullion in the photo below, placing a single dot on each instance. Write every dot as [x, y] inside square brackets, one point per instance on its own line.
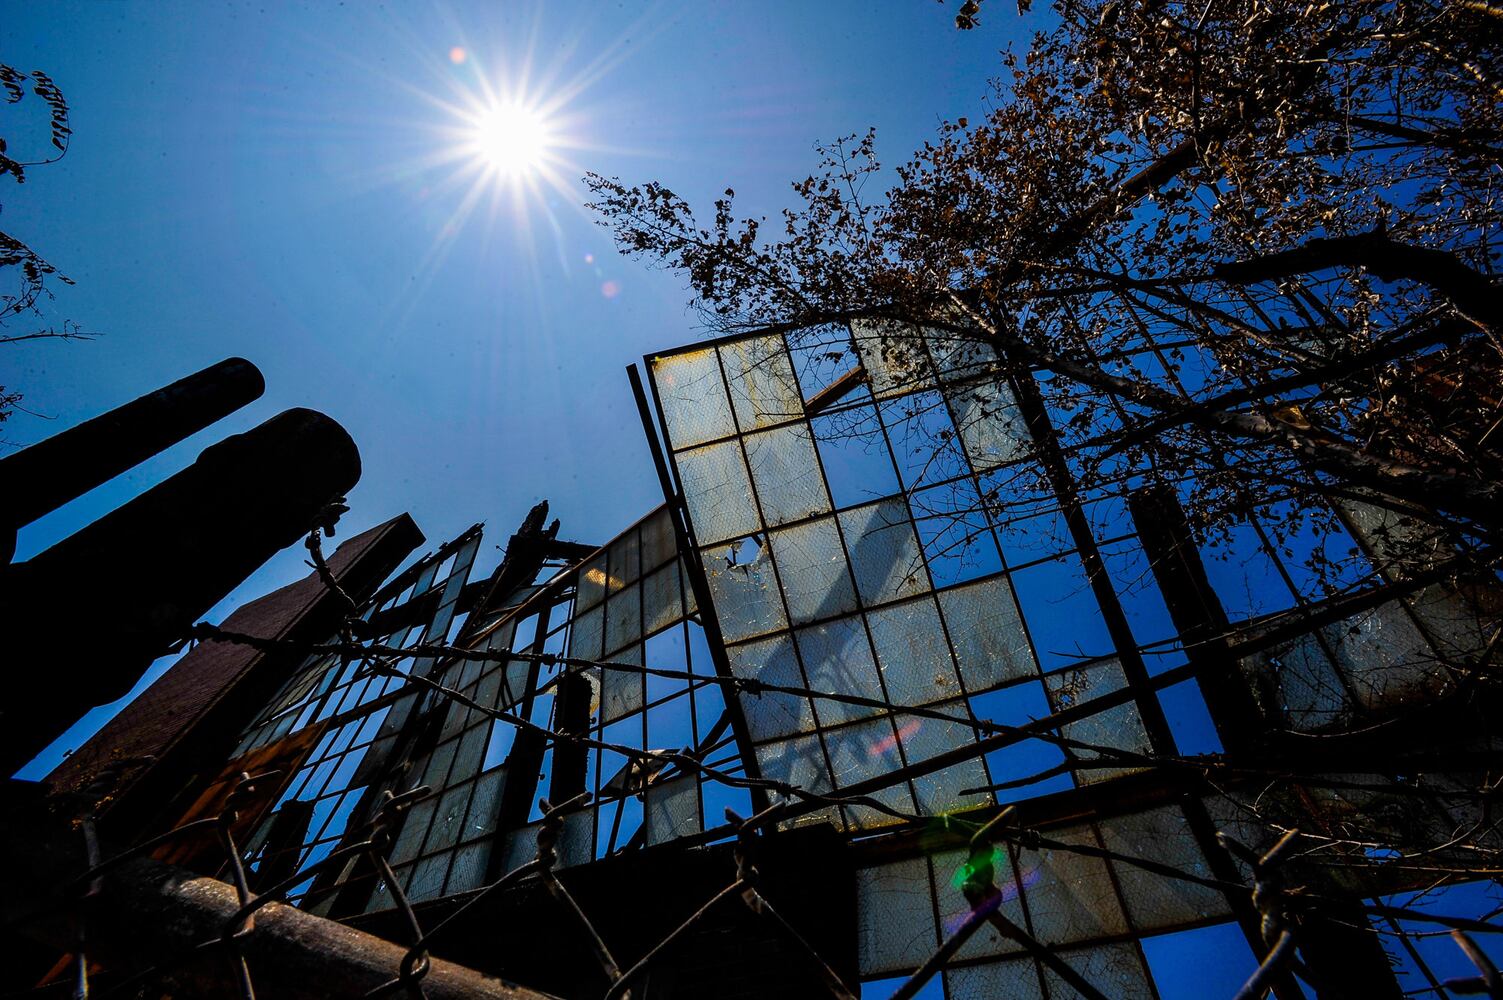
[934, 590]
[756, 496]
[1134, 671]
[861, 609]
[691, 560]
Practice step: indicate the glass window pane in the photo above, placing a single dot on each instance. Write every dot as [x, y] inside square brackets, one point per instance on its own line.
[990, 645]
[1120, 727]
[623, 618]
[587, 634]
[838, 659]
[625, 561]
[621, 690]
[1386, 661]
[1153, 901]
[786, 474]
[764, 390]
[812, 567]
[916, 664]
[695, 407]
[660, 599]
[591, 585]
[1070, 895]
[717, 492]
[990, 425]
[672, 810]
[951, 869]
[895, 916]
[959, 786]
[1016, 980]
[1114, 969]
[885, 553]
[658, 543]
[469, 867]
[770, 715]
[894, 355]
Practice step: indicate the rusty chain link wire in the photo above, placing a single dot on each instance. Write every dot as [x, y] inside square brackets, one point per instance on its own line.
[977, 879]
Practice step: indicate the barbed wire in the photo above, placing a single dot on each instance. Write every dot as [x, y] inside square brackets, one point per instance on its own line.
[1269, 893]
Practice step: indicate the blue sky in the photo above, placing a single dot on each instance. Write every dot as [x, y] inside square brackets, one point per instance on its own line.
[263, 179]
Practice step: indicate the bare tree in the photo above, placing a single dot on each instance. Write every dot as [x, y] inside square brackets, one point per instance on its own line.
[30, 271]
[1243, 252]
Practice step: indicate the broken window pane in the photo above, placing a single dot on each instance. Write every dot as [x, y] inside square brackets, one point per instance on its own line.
[744, 589]
[853, 450]
[923, 440]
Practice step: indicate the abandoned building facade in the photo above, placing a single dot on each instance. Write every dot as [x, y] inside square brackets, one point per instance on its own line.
[875, 601]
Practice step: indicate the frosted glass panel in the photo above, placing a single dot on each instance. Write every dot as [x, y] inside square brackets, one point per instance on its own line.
[695, 407]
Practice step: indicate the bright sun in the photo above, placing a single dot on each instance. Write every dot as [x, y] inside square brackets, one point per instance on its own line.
[512, 140]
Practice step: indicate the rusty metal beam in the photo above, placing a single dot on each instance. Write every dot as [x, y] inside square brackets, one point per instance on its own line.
[146, 914]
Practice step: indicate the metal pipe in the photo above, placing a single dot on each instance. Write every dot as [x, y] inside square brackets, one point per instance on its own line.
[43, 477]
[145, 914]
[85, 618]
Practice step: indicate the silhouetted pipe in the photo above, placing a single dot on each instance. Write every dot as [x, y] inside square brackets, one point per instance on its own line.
[80, 622]
[47, 475]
